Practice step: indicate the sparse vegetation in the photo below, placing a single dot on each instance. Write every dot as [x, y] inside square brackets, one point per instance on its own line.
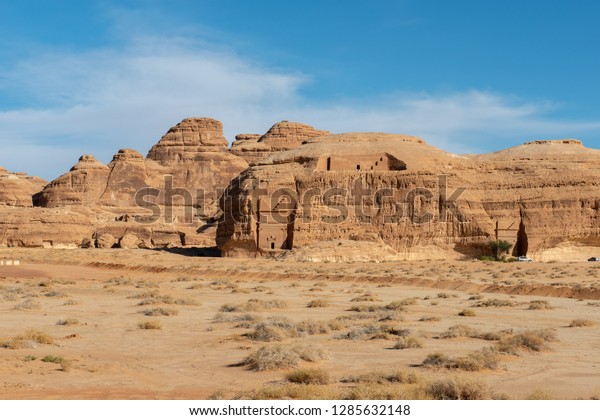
[309, 377]
[282, 357]
[29, 339]
[408, 343]
[530, 340]
[467, 312]
[537, 305]
[582, 323]
[456, 389]
[150, 325]
[68, 321]
[160, 312]
[318, 303]
[494, 302]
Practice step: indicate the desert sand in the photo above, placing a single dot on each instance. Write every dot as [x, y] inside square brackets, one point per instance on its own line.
[81, 311]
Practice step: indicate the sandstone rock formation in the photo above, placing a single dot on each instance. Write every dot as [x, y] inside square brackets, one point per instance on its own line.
[17, 189]
[284, 135]
[414, 197]
[83, 185]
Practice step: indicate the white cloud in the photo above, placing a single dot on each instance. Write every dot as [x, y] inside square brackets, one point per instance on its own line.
[99, 101]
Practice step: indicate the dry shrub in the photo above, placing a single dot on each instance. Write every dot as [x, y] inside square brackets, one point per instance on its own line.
[309, 377]
[537, 305]
[467, 312]
[29, 339]
[376, 392]
[482, 359]
[408, 343]
[160, 312]
[318, 303]
[392, 306]
[582, 323]
[27, 305]
[430, 319]
[460, 330]
[254, 305]
[367, 297]
[245, 320]
[539, 394]
[311, 327]
[397, 377]
[150, 325]
[68, 322]
[530, 340]
[456, 389]
[494, 302]
[282, 357]
[70, 302]
[290, 391]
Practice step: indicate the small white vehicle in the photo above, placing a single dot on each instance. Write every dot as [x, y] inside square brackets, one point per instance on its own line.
[523, 258]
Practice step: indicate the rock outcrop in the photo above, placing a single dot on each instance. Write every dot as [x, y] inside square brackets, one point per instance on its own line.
[372, 186]
[83, 185]
[17, 189]
[284, 135]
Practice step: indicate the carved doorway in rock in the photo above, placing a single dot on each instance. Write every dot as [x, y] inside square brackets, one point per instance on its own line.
[522, 245]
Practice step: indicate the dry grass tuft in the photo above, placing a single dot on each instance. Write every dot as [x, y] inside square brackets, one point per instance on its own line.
[28, 305]
[455, 389]
[582, 323]
[467, 312]
[539, 305]
[318, 303]
[309, 377]
[150, 325]
[397, 377]
[159, 312]
[282, 357]
[68, 322]
[408, 343]
[29, 339]
[531, 340]
[486, 358]
[494, 302]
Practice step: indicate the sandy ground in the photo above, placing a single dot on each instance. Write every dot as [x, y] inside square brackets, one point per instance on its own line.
[98, 295]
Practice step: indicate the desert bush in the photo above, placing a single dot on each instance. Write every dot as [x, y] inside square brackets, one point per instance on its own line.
[29, 339]
[367, 297]
[467, 312]
[318, 303]
[443, 295]
[70, 302]
[494, 302]
[397, 377]
[27, 305]
[309, 377]
[430, 319]
[68, 321]
[475, 361]
[248, 319]
[455, 389]
[53, 359]
[312, 327]
[159, 312]
[539, 305]
[254, 305]
[362, 333]
[460, 330]
[282, 357]
[150, 325]
[530, 340]
[408, 343]
[582, 323]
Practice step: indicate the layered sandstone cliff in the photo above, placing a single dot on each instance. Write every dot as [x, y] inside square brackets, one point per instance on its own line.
[412, 196]
[284, 135]
[17, 189]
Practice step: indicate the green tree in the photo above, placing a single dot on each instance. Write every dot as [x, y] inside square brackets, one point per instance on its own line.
[499, 247]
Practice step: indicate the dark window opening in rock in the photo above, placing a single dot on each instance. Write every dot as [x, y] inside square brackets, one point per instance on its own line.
[521, 247]
[358, 167]
[329, 163]
[272, 245]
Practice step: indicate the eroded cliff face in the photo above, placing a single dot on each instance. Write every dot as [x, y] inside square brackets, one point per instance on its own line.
[166, 199]
[17, 189]
[413, 197]
[284, 135]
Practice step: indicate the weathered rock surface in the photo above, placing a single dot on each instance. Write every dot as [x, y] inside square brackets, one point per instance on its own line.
[284, 135]
[83, 185]
[410, 195]
[17, 189]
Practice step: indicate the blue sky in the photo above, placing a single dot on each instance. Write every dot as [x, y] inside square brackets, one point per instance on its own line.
[469, 76]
